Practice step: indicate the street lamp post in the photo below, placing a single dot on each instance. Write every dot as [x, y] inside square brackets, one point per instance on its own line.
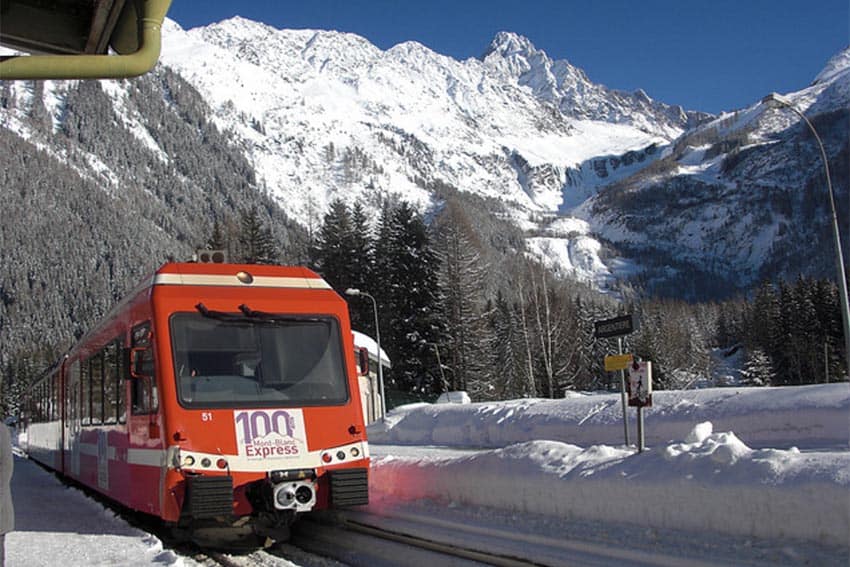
[776, 100]
[354, 292]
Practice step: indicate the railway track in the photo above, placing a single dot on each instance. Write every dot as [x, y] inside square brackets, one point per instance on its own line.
[402, 539]
[278, 556]
[361, 539]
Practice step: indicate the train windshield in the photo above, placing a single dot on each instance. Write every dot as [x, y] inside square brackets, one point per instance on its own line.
[241, 361]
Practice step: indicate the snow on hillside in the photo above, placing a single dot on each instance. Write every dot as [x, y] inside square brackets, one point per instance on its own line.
[838, 64]
[515, 126]
[309, 103]
[295, 94]
[323, 114]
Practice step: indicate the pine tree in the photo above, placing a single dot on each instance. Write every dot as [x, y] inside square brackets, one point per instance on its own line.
[764, 326]
[757, 371]
[256, 240]
[830, 334]
[342, 253]
[505, 349]
[333, 252]
[360, 268]
[406, 269]
[216, 240]
[462, 271]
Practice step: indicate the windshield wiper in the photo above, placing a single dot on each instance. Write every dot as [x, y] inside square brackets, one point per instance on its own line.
[272, 317]
[251, 316]
[220, 315]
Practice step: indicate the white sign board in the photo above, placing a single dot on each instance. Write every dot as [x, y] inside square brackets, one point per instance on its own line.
[640, 384]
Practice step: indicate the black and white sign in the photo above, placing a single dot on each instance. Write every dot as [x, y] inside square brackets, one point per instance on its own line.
[640, 384]
[616, 327]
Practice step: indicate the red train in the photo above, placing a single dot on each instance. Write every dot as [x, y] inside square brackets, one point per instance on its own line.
[220, 398]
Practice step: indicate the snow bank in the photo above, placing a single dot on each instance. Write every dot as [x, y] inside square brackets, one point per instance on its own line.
[710, 482]
[801, 416]
[709, 466]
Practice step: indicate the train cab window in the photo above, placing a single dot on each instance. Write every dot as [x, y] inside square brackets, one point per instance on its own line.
[144, 396]
[229, 360]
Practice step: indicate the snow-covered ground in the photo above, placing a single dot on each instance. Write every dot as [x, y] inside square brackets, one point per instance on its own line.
[758, 475]
[768, 463]
[59, 526]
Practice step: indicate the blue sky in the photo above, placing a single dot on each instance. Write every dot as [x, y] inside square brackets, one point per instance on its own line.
[709, 55]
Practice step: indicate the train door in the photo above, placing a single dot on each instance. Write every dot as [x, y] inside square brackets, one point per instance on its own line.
[146, 452]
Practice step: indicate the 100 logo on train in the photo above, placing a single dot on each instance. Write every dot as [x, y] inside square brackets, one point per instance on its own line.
[270, 434]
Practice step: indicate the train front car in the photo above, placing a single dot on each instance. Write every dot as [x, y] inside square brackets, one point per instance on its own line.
[261, 412]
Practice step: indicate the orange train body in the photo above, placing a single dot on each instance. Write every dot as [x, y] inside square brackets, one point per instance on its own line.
[214, 396]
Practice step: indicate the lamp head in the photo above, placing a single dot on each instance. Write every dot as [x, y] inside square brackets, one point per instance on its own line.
[352, 291]
[774, 100]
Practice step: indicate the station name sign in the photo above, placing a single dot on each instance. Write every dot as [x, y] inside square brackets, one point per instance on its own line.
[616, 327]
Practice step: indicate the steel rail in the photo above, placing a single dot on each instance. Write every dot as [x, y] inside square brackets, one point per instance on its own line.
[452, 550]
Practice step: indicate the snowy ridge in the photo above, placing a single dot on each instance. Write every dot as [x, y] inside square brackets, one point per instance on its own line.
[466, 121]
[323, 114]
[516, 126]
[840, 63]
[569, 88]
[729, 197]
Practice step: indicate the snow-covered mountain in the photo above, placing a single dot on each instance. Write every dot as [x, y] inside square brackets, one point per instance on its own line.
[533, 133]
[740, 198]
[307, 103]
[607, 184]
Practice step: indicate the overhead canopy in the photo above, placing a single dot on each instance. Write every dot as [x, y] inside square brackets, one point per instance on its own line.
[72, 37]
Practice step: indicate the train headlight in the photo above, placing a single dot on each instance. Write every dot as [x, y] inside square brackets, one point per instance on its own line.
[284, 497]
[355, 452]
[188, 461]
[303, 494]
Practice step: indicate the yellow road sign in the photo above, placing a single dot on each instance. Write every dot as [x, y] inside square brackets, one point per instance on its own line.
[617, 362]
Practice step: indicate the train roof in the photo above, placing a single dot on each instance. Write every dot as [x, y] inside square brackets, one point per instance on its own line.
[254, 275]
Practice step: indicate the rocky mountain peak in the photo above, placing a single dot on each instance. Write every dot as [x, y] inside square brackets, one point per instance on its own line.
[838, 64]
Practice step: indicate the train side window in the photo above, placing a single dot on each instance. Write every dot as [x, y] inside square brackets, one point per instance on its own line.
[96, 376]
[142, 369]
[54, 383]
[111, 386]
[71, 408]
[121, 370]
[85, 393]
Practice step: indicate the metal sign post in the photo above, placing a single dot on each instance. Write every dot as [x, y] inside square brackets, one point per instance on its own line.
[623, 393]
[617, 327]
[640, 393]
